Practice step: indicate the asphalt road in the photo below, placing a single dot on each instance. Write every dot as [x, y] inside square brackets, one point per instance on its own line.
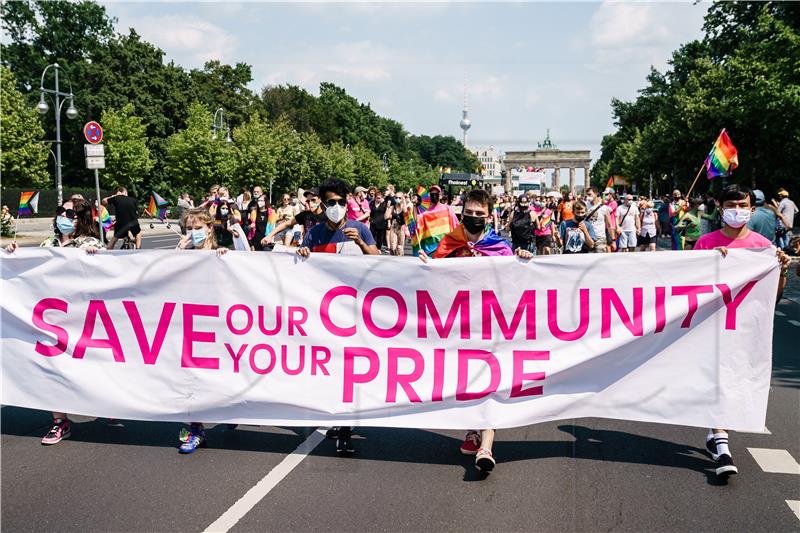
[572, 475]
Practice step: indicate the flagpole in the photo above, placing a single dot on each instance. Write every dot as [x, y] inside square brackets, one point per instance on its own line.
[16, 225]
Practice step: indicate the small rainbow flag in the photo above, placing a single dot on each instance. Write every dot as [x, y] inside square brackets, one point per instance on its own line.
[157, 208]
[28, 203]
[433, 225]
[424, 198]
[411, 223]
[272, 219]
[610, 183]
[105, 218]
[722, 158]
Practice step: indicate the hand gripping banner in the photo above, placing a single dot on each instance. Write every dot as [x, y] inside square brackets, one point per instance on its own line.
[268, 338]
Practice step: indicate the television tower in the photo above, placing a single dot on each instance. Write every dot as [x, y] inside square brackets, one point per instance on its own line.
[465, 122]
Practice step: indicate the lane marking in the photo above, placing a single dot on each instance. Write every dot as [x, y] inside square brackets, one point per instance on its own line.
[775, 461]
[794, 505]
[794, 323]
[235, 513]
[780, 313]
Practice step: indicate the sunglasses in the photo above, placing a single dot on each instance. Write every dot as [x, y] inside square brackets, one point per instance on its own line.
[342, 202]
[69, 213]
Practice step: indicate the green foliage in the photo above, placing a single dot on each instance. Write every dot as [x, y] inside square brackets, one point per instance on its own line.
[24, 155]
[195, 160]
[743, 76]
[128, 159]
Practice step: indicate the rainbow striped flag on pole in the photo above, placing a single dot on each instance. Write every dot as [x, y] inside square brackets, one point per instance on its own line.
[424, 198]
[722, 158]
[157, 208]
[28, 203]
[411, 223]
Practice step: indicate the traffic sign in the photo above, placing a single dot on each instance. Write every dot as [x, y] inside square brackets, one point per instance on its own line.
[93, 132]
[94, 150]
[95, 162]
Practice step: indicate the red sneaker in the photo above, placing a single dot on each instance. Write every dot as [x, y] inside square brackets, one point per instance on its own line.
[472, 443]
[61, 430]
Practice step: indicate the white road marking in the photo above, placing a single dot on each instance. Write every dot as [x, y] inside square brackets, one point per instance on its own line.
[775, 461]
[764, 431]
[794, 505]
[780, 313]
[235, 513]
[794, 323]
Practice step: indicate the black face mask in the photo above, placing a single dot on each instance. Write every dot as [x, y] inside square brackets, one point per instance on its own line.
[434, 197]
[473, 224]
[579, 218]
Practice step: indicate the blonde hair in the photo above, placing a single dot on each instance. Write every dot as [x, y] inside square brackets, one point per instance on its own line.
[204, 218]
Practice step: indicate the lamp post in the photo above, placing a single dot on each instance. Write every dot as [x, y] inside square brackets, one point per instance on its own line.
[218, 125]
[72, 113]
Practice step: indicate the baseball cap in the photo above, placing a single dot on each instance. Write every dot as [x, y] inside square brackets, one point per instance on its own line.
[361, 189]
[760, 199]
[436, 188]
[783, 192]
[312, 190]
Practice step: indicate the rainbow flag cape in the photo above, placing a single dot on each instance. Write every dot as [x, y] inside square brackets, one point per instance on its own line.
[424, 198]
[28, 203]
[157, 207]
[433, 225]
[722, 158]
[456, 244]
[410, 218]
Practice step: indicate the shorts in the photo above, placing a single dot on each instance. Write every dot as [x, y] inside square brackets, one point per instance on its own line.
[627, 239]
[121, 233]
[545, 241]
[646, 240]
[600, 246]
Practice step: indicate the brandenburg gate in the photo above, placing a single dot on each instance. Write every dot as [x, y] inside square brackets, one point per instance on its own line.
[548, 156]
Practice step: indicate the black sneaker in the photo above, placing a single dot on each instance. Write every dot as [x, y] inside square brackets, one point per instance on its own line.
[711, 446]
[725, 466]
[333, 433]
[114, 423]
[344, 444]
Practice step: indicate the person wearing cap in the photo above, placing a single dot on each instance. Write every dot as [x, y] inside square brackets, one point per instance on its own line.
[358, 206]
[787, 209]
[433, 224]
[308, 218]
[764, 219]
[629, 224]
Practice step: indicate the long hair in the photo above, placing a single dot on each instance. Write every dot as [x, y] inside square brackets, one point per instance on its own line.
[204, 218]
[85, 226]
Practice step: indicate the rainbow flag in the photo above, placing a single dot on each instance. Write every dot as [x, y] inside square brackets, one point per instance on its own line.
[272, 218]
[157, 207]
[456, 244]
[433, 225]
[722, 158]
[28, 203]
[411, 223]
[610, 183]
[105, 218]
[424, 198]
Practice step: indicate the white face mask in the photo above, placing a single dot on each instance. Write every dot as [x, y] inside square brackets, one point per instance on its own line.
[335, 213]
[735, 217]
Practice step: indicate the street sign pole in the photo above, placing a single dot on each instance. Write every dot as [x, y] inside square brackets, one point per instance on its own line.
[99, 205]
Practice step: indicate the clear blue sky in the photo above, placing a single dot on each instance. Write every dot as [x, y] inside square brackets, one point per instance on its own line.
[529, 66]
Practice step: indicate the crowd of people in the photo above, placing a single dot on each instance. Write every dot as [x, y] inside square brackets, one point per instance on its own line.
[333, 218]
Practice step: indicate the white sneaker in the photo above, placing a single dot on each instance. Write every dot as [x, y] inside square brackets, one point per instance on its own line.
[484, 460]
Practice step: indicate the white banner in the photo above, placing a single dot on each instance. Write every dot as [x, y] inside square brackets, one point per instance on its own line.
[260, 338]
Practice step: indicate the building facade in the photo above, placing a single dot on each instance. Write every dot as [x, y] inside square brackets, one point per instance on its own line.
[490, 161]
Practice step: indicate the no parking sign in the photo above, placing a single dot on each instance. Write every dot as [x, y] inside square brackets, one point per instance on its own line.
[93, 132]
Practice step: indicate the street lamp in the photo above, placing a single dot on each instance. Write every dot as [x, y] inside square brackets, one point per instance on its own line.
[218, 125]
[385, 159]
[72, 113]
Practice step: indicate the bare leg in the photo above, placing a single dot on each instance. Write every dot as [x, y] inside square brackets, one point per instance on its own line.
[487, 438]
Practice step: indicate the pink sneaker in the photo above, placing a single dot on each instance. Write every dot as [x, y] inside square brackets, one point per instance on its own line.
[472, 443]
[61, 430]
[484, 460]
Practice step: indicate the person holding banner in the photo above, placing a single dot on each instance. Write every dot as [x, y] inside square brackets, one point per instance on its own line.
[199, 236]
[74, 227]
[738, 204]
[475, 237]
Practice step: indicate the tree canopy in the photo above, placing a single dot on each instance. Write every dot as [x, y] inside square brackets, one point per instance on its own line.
[744, 75]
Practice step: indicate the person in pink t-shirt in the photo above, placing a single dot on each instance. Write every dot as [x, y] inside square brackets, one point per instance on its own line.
[737, 204]
[358, 206]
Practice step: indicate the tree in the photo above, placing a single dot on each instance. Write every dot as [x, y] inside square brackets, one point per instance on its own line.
[255, 150]
[24, 160]
[128, 159]
[219, 85]
[194, 159]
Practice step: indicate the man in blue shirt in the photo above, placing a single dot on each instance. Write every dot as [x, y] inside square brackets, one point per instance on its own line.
[763, 220]
[576, 235]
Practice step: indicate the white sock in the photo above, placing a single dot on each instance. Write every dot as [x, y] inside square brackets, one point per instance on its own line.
[721, 440]
[710, 435]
